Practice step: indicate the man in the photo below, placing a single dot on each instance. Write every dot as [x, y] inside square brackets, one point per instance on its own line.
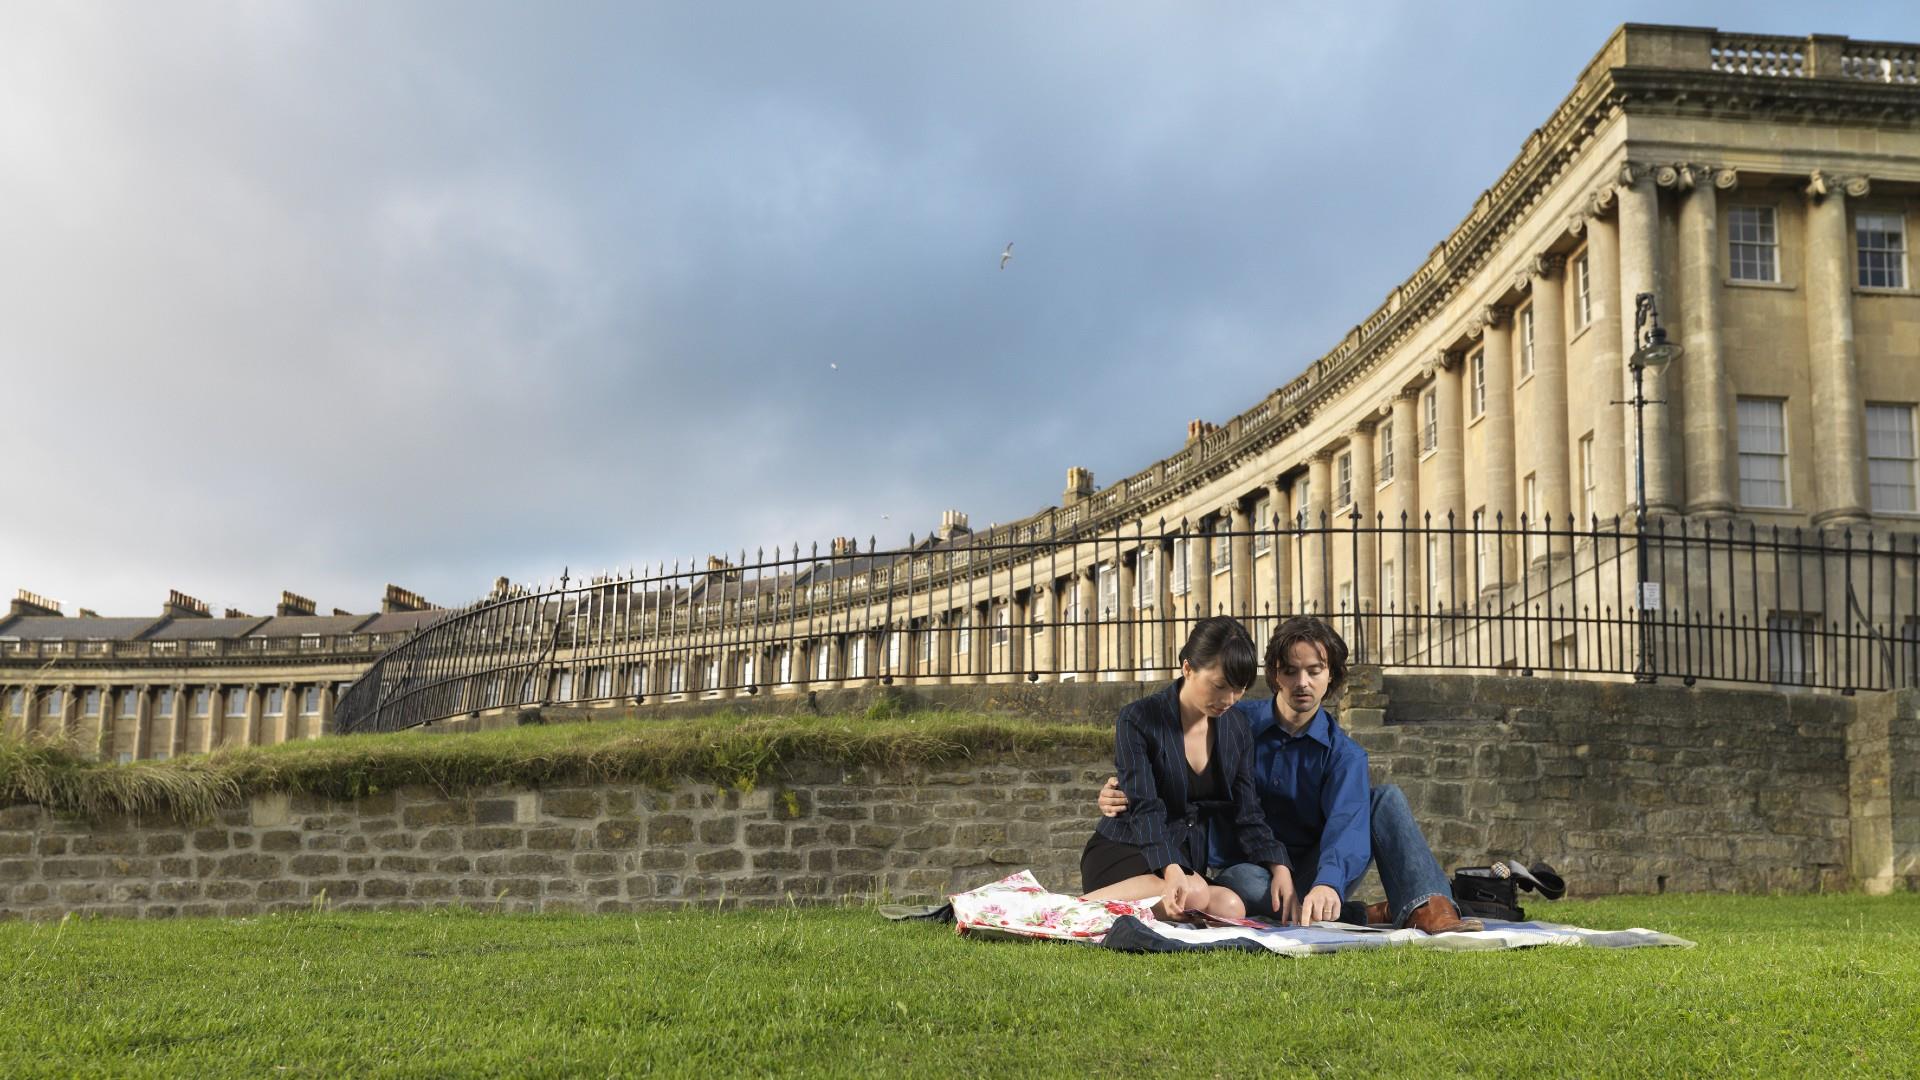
[1312, 781]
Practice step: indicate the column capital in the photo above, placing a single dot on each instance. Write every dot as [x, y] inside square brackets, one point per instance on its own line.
[1384, 410]
[1362, 429]
[1410, 393]
[1545, 264]
[1695, 175]
[1322, 456]
[1821, 184]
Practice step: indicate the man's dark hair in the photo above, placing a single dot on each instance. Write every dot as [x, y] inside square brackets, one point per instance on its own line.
[1222, 640]
[1309, 628]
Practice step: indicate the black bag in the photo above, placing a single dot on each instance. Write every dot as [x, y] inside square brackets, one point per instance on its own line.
[1493, 892]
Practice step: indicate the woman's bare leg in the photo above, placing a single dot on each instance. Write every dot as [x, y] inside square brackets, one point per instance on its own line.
[1224, 903]
[1143, 887]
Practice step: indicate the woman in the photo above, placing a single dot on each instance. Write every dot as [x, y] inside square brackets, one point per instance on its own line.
[1187, 754]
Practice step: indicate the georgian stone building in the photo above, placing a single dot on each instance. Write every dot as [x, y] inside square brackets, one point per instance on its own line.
[186, 681]
[1760, 190]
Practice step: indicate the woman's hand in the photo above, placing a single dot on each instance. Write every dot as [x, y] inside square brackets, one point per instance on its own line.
[1184, 891]
[1320, 903]
[1282, 897]
[1113, 801]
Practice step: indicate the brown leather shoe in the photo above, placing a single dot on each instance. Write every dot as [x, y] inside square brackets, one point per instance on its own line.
[1439, 916]
[1380, 913]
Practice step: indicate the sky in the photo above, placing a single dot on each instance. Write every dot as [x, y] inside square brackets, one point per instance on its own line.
[325, 296]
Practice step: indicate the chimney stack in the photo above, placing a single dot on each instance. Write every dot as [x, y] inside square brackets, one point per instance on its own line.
[181, 606]
[1079, 485]
[1197, 429]
[952, 524]
[292, 603]
[399, 599]
[26, 603]
[236, 613]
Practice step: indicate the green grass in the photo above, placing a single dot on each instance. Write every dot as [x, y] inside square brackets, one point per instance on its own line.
[1821, 986]
[728, 749]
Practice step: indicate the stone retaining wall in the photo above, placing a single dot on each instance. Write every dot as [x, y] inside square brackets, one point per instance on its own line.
[1623, 788]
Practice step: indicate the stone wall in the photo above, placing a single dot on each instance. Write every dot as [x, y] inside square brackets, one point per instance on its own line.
[1623, 788]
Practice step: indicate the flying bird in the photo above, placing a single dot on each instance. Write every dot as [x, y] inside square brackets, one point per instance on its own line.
[835, 367]
[1005, 255]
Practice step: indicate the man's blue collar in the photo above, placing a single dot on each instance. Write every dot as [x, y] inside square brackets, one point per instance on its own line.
[1319, 729]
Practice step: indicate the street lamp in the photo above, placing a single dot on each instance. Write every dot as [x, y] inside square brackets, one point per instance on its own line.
[1652, 350]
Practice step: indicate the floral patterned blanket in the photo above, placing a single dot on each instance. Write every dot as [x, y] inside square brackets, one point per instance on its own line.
[1016, 906]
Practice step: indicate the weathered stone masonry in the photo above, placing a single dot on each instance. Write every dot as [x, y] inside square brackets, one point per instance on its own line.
[1625, 789]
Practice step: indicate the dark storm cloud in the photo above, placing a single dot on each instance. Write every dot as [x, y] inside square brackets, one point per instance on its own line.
[321, 296]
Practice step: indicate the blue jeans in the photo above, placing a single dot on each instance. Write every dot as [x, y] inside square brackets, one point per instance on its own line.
[1408, 870]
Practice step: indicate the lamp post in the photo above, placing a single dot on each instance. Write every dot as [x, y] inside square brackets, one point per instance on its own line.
[1652, 350]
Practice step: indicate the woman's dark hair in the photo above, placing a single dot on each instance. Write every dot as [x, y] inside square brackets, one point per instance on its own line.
[1314, 631]
[1222, 640]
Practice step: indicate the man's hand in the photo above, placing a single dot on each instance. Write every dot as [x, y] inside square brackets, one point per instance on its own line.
[1113, 801]
[1321, 903]
[1282, 897]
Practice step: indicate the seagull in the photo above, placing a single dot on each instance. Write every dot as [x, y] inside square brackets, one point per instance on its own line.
[1005, 255]
[835, 367]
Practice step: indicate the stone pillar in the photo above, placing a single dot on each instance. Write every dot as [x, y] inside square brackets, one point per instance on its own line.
[140, 723]
[979, 663]
[1604, 377]
[1240, 520]
[1126, 624]
[1839, 420]
[1200, 576]
[1706, 391]
[1407, 549]
[1315, 549]
[18, 726]
[1502, 481]
[945, 641]
[1366, 570]
[1447, 502]
[1640, 273]
[66, 726]
[91, 733]
[1018, 634]
[1548, 431]
[1088, 662]
[170, 725]
[1164, 647]
[1280, 495]
[253, 733]
[327, 694]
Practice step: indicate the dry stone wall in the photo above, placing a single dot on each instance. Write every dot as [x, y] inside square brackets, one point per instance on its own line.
[1624, 789]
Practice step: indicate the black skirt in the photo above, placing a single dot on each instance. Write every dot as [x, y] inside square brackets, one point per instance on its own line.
[1105, 862]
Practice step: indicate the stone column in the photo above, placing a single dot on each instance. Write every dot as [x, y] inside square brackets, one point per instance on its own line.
[1315, 551]
[1706, 391]
[254, 731]
[979, 663]
[93, 733]
[170, 726]
[1240, 520]
[1448, 500]
[1407, 548]
[1019, 633]
[1280, 495]
[1839, 420]
[1366, 576]
[327, 694]
[1164, 648]
[1548, 431]
[1126, 628]
[1200, 576]
[1604, 378]
[1502, 481]
[1088, 662]
[66, 725]
[1640, 273]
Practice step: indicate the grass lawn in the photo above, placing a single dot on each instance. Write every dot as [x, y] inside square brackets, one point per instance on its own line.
[1778, 985]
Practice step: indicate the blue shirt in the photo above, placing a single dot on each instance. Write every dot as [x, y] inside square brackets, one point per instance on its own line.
[1314, 789]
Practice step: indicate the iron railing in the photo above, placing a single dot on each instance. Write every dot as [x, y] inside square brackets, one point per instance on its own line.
[1723, 599]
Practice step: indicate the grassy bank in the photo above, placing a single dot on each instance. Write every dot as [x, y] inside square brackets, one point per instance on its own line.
[731, 750]
[1826, 986]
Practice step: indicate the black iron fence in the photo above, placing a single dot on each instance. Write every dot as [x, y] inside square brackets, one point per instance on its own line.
[1723, 599]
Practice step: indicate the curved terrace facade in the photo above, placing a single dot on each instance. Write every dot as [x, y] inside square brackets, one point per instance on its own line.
[1457, 481]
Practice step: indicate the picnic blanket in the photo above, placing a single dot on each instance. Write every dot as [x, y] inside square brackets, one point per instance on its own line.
[1017, 906]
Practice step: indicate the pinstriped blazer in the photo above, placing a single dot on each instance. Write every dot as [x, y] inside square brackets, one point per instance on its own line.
[1150, 755]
